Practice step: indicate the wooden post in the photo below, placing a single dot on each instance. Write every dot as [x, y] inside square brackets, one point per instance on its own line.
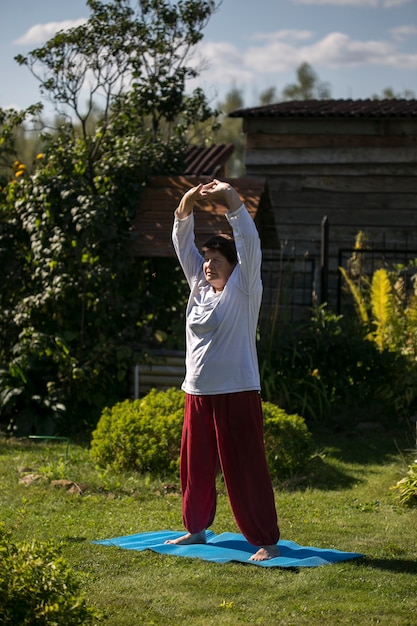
[324, 260]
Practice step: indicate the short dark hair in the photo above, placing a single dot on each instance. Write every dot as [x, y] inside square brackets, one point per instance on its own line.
[224, 244]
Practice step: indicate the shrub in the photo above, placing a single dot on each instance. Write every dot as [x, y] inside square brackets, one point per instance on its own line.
[37, 587]
[325, 367]
[142, 435]
[288, 442]
[145, 435]
[407, 486]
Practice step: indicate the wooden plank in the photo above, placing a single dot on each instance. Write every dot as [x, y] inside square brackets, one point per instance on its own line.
[160, 381]
[307, 244]
[330, 126]
[160, 386]
[162, 370]
[144, 221]
[401, 238]
[342, 216]
[333, 201]
[166, 191]
[334, 156]
[301, 241]
[273, 170]
[344, 237]
[282, 141]
[324, 182]
[157, 370]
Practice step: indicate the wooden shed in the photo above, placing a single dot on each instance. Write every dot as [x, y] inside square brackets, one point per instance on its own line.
[152, 225]
[334, 168]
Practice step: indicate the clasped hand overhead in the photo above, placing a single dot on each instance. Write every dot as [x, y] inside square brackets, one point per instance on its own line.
[215, 190]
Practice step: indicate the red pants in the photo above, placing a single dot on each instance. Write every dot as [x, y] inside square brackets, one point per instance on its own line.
[226, 431]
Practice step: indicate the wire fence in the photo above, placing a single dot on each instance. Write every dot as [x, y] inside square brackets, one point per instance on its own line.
[362, 263]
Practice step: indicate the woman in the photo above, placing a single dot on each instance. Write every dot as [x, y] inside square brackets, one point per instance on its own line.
[223, 423]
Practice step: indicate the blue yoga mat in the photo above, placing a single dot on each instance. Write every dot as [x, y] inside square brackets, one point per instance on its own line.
[229, 547]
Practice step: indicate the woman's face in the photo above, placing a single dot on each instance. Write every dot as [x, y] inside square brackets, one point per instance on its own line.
[217, 269]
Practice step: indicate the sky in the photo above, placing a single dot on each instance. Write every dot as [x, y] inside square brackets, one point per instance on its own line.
[358, 47]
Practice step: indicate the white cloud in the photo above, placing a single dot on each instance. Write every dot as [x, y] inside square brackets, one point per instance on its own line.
[390, 4]
[276, 56]
[13, 105]
[224, 62]
[335, 50]
[40, 33]
[403, 32]
[338, 50]
[291, 35]
[273, 54]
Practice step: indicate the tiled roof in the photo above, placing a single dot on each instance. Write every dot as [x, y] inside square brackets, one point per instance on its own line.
[206, 161]
[153, 223]
[332, 108]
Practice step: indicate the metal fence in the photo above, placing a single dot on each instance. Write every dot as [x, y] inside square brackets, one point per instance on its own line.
[363, 262]
[293, 284]
[289, 285]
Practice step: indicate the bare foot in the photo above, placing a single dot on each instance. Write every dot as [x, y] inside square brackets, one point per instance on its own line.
[265, 553]
[189, 539]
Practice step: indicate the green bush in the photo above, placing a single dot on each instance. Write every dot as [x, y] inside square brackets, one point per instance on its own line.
[37, 587]
[145, 436]
[142, 435]
[288, 442]
[326, 367]
[407, 486]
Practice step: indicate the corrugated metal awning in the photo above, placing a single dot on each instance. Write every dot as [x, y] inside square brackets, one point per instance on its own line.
[207, 160]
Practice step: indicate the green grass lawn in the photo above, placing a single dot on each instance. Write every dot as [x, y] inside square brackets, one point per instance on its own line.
[343, 502]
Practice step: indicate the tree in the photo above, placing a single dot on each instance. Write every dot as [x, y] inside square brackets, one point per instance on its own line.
[230, 131]
[308, 86]
[388, 94]
[11, 132]
[268, 96]
[131, 62]
[75, 300]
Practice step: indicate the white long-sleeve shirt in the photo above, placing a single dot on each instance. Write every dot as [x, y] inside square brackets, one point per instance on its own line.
[221, 327]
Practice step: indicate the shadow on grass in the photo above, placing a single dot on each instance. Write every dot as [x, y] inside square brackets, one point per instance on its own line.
[364, 448]
[402, 566]
[343, 459]
[320, 474]
[324, 475]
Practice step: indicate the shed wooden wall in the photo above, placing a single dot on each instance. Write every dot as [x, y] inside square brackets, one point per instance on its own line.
[359, 172]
